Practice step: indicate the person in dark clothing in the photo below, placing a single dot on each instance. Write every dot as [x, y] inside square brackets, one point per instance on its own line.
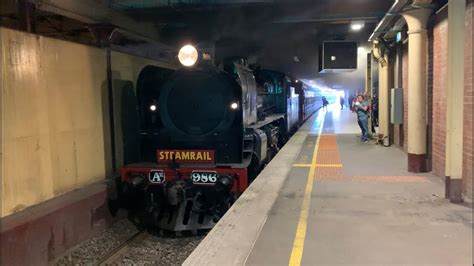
[361, 107]
[341, 100]
[375, 111]
[325, 103]
[351, 99]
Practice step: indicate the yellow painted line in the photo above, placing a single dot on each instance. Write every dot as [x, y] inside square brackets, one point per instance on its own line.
[302, 165]
[298, 243]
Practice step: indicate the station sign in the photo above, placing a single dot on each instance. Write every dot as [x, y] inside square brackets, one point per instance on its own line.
[185, 156]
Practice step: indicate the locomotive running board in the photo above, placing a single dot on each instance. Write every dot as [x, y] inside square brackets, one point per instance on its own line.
[185, 219]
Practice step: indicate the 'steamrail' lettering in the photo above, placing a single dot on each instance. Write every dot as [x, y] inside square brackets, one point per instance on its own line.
[185, 156]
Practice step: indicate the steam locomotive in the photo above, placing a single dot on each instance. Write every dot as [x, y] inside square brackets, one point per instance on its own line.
[206, 132]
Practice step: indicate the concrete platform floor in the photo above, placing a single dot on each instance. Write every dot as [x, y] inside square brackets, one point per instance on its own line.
[361, 208]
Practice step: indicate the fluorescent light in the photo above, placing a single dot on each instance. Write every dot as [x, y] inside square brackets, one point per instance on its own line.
[399, 36]
[357, 25]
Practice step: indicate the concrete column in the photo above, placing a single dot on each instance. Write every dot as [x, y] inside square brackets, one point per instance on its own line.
[455, 99]
[384, 103]
[416, 19]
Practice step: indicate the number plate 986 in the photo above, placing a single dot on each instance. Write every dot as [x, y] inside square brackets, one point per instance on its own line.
[204, 177]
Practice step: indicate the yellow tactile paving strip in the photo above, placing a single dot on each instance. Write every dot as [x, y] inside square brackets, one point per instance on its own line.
[328, 174]
[329, 165]
[328, 153]
[331, 176]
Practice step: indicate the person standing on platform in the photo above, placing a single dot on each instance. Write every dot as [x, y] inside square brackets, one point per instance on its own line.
[354, 100]
[361, 108]
[368, 99]
[351, 101]
[342, 102]
[325, 103]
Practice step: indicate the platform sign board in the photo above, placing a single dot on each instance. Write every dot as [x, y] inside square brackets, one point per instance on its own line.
[338, 56]
[185, 156]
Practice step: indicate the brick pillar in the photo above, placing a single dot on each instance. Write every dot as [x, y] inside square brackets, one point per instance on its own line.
[417, 18]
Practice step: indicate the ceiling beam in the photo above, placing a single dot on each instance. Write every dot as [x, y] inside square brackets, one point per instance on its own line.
[131, 4]
[93, 12]
[324, 19]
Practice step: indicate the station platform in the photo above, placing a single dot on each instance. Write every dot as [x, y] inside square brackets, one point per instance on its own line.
[327, 199]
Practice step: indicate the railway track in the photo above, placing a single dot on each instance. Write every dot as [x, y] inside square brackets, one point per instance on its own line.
[112, 257]
[123, 244]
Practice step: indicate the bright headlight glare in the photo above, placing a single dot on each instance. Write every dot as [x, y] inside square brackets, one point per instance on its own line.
[188, 55]
[234, 106]
[152, 107]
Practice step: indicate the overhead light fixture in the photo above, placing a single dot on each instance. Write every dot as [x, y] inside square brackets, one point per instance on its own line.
[357, 25]
[234, 106]
[188, 55]
[399, 36]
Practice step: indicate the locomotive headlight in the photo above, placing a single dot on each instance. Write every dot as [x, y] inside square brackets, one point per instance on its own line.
[234, 106]
[188, 55]
[152, 107]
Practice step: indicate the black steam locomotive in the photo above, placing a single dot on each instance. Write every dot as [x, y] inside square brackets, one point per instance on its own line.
[205, 134]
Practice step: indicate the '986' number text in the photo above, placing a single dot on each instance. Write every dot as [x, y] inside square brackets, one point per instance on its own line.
[204, 177]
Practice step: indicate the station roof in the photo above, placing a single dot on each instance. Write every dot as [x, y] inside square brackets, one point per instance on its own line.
[280, 34]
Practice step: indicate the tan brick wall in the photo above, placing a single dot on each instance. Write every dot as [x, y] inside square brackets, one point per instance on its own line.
[405, 73]
[468, 104]
[437, 71]
[440, 43]
[440, 56]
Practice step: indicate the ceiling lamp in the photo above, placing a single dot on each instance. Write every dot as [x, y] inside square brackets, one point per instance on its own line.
[357, 25]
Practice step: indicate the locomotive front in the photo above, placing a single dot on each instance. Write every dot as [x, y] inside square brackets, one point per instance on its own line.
[192, 139]
[200, 110]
